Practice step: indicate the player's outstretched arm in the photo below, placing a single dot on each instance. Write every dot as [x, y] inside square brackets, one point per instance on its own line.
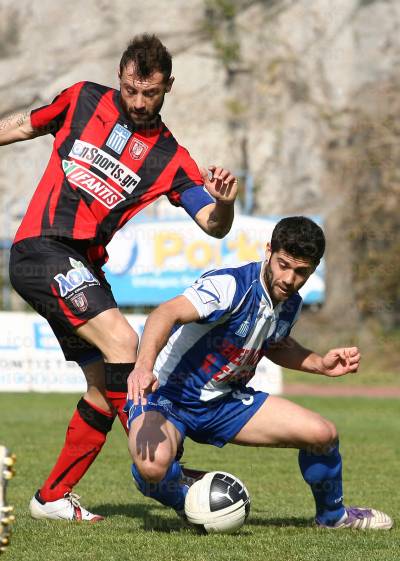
[336, 362]
[16, 127]
[156, 332]
[216, 219]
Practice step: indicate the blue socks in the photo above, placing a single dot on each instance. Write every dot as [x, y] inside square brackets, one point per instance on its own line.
[169, 491]
[323, 472]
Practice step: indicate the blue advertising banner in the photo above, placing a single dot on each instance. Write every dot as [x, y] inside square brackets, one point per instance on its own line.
[152, 261]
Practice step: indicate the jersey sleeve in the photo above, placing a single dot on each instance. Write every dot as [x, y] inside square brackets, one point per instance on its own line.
[50, 118]
[212, 296]
[187, 189]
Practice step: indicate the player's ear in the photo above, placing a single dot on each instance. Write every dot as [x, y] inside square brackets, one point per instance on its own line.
[169, 84]
[268, 251]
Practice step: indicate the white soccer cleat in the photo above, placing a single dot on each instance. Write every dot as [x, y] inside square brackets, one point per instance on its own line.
[360, 518]
[7, 472]
[67, 508]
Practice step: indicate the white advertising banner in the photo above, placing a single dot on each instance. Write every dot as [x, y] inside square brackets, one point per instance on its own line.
[31, 359]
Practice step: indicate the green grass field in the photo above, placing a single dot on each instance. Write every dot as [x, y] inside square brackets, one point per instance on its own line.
[137, 529]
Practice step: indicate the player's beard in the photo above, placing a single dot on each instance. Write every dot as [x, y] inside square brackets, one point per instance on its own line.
[273, 288]
[145, 119]
[268, 278]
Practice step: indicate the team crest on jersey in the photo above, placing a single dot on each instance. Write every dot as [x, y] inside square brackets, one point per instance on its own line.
[137, 149]
[244, 328]
[80, 302]
[280, 330]
[74, 278]
[118, 138]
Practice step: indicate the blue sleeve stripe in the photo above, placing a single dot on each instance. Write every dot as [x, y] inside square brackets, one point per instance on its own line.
[195, 198]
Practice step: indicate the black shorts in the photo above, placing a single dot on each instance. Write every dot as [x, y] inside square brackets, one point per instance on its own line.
[56, 278]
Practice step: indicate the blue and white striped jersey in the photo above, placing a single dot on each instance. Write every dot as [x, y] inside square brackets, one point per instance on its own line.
[209, 358]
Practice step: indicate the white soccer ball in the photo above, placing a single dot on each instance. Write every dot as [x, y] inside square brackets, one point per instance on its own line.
[219, 502]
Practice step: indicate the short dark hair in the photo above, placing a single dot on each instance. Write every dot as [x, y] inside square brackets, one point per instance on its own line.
[300, 237]
[148, 55]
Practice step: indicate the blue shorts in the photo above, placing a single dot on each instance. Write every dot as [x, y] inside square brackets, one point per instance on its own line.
[213, 422]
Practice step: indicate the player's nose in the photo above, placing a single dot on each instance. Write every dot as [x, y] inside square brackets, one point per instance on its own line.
[288, 279]
[138, 103]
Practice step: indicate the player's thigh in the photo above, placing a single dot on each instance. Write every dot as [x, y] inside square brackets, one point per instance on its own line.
[153, 440]
[111, 332]
[58, 280]
[280, 422]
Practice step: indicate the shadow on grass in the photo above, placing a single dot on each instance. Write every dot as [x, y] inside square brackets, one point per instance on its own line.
[157, 518]
[151, 517]
[280, 522]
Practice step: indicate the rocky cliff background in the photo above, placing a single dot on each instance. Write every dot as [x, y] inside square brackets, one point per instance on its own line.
[300, 95]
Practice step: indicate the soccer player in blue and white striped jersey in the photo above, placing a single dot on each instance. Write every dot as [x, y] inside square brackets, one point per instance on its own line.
[200, 349]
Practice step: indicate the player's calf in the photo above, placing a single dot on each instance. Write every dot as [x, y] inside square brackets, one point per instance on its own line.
[170, 491]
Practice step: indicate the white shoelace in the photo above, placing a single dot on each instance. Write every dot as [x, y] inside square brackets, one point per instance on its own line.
[73, 498]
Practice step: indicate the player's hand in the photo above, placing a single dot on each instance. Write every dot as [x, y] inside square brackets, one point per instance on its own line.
[220, 183]
[141, 382]
[338, 362]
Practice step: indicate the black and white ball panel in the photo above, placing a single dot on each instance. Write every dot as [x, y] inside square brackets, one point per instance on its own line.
[226, 491]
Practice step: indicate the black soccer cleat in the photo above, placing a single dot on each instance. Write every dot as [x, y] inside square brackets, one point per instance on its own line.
[189, 476]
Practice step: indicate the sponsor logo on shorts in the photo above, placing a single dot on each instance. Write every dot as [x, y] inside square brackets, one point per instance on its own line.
[120, 174]
[245, 398]
[164, 402]
[80, 302]
[137, 149]
[88, 181]
[118, 138]
[74, 278]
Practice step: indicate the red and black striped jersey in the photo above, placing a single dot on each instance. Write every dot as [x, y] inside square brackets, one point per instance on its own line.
[102, 171]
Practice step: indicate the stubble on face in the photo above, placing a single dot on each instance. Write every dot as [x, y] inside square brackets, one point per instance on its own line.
[270, 283]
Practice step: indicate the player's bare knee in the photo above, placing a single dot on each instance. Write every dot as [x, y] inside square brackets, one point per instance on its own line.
[334, 437]
[324, 435]
[152, 471]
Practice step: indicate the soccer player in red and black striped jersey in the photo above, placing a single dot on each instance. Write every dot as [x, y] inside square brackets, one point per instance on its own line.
[112, 156]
